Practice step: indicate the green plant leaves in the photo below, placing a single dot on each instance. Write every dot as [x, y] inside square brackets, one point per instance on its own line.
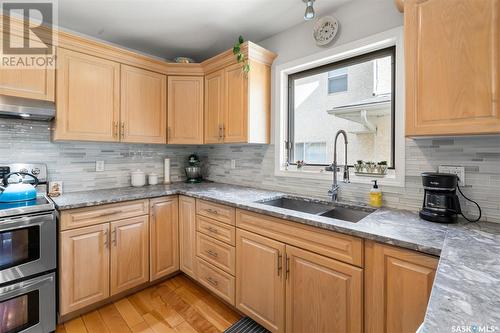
[240, 39]
[240, 57]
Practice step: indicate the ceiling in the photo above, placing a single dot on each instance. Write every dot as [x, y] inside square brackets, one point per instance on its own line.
[194, 28]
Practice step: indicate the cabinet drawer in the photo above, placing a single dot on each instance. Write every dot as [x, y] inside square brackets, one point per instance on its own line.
[217, 230]
[216, 252]
[216, 211]
[80, 217]
[331, 244]
[219, 282]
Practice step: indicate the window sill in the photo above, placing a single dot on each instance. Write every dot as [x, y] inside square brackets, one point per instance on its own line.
[318, 173]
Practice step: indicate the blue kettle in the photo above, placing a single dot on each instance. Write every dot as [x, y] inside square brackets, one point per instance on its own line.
[20, 191]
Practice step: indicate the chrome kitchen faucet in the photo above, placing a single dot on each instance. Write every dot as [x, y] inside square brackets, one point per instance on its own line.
[334, 167]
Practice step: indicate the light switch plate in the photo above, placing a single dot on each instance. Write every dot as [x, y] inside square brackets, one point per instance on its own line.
[99, 166]
[454, 169]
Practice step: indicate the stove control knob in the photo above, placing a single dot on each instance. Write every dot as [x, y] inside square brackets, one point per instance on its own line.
[24, 170]
[35, 171]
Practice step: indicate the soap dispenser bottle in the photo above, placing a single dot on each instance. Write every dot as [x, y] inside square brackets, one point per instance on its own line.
[375, 196]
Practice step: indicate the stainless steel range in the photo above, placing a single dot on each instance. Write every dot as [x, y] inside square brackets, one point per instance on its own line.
[28, 257]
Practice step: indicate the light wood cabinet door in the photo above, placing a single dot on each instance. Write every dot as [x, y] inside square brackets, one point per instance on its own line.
[164, 236]
[143, 106]
[398, 284]
[27, 83]
[187, 235]
[452, 67]
[214, 104]
[260, 281]
[88, 97]
[235, 126]
[185, 110]
[83, 267]
[129, 253]
[322, 295]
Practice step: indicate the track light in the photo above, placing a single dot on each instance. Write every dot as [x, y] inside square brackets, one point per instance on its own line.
[309, 14]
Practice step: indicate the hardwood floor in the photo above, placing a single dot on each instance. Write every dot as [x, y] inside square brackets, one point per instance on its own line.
[177, 305]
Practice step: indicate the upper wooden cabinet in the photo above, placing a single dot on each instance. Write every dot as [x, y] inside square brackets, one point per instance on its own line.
[164, 236]
[88, 97]
[398, 284]
[27, 83]
[238, 105]
[452, 67]
[185, 109]
[143, 116]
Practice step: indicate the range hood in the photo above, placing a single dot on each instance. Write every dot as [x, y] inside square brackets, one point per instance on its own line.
[16, 107]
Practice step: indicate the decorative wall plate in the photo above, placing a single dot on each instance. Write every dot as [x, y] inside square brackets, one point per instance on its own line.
[325, 30]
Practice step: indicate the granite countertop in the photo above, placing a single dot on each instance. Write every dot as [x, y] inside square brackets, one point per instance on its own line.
[466, 290]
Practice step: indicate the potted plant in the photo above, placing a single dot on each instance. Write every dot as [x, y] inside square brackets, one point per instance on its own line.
[382, 167]
[358, 167]
[370, 166]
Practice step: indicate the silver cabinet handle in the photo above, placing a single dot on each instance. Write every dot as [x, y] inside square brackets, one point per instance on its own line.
[122, 132]
[212, 253]
[287, 266]
[280, 259]
[211, 229]
[113, 236]
[106, 238]
[212, 281]
[212, 211]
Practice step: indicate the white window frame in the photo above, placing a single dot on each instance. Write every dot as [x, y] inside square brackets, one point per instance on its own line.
[393, 37]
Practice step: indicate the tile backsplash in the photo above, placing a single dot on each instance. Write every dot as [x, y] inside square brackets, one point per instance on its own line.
[479, 155]
[74, 164]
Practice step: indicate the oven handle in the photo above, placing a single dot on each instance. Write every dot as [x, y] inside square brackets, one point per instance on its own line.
[23, 222]
[23, 287]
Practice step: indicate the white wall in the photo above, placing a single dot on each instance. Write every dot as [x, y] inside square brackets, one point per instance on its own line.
[358, 19]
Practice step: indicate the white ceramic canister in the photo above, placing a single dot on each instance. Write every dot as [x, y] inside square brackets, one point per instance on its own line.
[153, 179]
[138, 178]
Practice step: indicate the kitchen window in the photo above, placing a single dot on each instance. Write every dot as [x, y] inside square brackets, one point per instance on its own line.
[337, 80]
[365, 110]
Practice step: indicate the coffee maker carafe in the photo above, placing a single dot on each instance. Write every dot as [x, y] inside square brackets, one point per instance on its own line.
[441, 202]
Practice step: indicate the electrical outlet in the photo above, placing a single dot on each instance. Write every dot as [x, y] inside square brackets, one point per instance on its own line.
[454, 169]
[99, 166]
[233, 164]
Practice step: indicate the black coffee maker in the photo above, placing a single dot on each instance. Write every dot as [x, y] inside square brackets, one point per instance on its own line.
[441, 202]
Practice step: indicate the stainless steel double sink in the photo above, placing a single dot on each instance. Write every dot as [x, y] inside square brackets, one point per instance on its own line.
[337, 211]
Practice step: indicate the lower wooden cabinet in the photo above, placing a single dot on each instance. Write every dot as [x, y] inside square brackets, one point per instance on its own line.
[260, 280]
[284, 287]
[398, 284]
[187, 235]
[83, 267]
[129, 253]
[164, 236]
[322, 294]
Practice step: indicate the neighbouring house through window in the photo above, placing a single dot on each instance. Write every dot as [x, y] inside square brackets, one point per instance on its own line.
[356, 95]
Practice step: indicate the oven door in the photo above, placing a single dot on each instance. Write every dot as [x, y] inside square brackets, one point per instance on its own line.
[27, 246]
[29, 306]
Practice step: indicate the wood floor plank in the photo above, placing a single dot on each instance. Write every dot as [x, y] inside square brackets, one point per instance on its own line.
[190, 314]
[128, 312]
[94, 323]
[60, 329]
[177, 305]
[75, 326]
[142, 328]
[185, 328]
[113, 319]
[156, 325]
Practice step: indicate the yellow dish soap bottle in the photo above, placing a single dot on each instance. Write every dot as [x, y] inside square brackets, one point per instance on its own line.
[375, 196]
